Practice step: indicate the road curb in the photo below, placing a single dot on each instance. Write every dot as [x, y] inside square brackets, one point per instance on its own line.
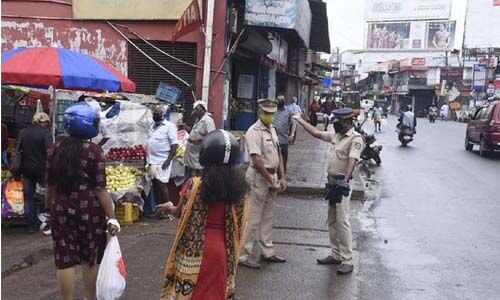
[306, 189]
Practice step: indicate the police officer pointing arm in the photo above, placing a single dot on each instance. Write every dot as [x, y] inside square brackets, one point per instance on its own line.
[347, 145]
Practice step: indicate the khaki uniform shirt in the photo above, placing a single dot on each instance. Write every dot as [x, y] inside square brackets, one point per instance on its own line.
[349, 145]
[200, 129]
[263, 141]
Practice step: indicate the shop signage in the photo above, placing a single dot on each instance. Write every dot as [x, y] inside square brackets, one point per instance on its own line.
[129, 9]
[490, 62]
[479, 77]
[377, 10]
[418, 61]
[189, 21]
[290, 14]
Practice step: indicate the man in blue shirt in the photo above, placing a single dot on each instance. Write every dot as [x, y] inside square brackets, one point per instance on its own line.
[294, 108]
[160, 150]
[284, 126]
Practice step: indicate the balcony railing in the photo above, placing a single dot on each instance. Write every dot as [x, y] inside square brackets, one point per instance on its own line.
[417, 81]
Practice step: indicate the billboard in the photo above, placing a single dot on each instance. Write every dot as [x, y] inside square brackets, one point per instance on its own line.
[386, 10]
[290, 14]
[129, 9]
[411, 35]
[441, 34]
[417, 34]
[481, 24]
[388, 35]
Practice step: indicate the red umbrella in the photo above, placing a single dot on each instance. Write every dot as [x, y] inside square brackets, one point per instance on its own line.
[62, 69]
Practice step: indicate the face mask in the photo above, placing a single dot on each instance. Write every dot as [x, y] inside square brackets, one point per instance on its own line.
[281, 103]
[157, 118]
[267, 119]
[338, 126]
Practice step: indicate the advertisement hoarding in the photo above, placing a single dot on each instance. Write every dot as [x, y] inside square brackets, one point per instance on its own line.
[388, 35]
[482, 23]
[417, 34]
[411, 35]
[290, 14]
[441, 34]
[385, 10]
[129, 9]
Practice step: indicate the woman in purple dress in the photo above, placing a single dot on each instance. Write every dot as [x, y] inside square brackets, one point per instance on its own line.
[78, 201]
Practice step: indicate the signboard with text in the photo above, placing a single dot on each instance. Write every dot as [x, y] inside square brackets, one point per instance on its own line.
[290, 14]
[129, 9]
[479, 77]
[411, 35]
[385, 10]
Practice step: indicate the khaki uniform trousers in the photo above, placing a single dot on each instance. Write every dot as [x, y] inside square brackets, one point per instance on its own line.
[340, 231]
[259, 227]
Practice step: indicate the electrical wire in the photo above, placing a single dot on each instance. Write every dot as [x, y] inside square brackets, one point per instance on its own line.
[149, 57]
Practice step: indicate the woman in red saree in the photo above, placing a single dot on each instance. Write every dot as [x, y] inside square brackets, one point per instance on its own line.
[203, 259]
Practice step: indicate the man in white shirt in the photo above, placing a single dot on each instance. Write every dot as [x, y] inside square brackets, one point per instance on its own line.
[377, 116]
[204, 125]
[160, 150]
[444, 112]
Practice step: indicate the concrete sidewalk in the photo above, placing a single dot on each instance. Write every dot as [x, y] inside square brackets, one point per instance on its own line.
[307, 165]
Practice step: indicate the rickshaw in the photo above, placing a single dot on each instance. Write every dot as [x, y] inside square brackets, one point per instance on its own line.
[351, 99]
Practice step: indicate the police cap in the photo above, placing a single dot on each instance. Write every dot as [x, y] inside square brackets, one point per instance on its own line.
[343, 113]
[268, 105]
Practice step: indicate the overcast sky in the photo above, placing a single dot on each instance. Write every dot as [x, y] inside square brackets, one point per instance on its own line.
[346, 22]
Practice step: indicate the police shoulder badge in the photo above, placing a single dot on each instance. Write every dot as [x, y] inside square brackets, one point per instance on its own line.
[357, 145]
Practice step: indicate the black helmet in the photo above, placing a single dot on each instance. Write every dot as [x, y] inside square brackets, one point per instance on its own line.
[219, 147]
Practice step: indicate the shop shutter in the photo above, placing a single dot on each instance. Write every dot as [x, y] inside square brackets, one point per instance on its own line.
[148, 75]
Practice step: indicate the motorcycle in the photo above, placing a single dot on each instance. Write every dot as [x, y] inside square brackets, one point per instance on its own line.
[405, 135]
[432, 117]
[369, 152]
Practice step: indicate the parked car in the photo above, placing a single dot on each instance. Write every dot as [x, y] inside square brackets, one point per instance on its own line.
[484, 128]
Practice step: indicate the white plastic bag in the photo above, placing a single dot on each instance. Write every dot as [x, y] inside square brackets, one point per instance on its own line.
[111, 278]
[383, 122]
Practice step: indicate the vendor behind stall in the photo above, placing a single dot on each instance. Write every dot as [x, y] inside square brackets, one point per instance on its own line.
[103, 129]
[160, 151]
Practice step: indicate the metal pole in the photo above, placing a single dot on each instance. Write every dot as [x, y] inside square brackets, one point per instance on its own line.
[208, 51]
[53, 111]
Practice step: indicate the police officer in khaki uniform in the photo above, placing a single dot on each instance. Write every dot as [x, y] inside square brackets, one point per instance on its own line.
[347, 145]
[266, 178]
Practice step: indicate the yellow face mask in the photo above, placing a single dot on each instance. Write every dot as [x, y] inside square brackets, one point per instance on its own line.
[267, 119]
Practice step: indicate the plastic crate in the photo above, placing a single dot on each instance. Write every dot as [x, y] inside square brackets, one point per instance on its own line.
[23, 115]
[127, 213]
[168, 93]
[32, 97]
[62, 104]
[59, 123]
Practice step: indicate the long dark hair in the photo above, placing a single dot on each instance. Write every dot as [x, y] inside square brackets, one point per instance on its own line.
[223, 183]
[66, 165]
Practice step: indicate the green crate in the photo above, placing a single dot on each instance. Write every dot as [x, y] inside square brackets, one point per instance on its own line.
[62, 104]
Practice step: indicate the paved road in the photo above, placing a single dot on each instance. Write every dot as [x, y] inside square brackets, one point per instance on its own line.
[430, 231]
[435, 227]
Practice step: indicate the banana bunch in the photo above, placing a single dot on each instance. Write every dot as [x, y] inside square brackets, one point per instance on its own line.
[181, 150]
